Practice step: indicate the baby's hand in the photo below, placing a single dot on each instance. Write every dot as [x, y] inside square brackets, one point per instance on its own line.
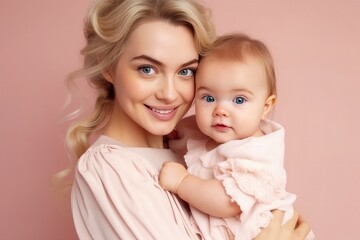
[171, 175]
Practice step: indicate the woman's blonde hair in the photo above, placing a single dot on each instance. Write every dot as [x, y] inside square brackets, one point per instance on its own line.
[240, 47]
[107, 27]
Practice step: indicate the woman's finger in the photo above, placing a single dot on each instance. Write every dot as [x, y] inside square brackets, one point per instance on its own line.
[277, 220]
[292, 223]
[173, 135]
[273, 230]
[302, 229]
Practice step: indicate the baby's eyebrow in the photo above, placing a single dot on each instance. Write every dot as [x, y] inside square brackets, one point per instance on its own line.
[243, 90]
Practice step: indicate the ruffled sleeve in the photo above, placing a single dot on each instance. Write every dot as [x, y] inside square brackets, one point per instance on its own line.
[253, 168]
[116, 195]
[249, 182]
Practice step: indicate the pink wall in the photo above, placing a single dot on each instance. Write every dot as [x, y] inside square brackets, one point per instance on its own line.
[316, 49]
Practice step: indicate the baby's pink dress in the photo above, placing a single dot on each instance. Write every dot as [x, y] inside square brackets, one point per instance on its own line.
[253, 175]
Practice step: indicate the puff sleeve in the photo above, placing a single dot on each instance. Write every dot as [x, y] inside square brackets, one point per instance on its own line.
[116, 195]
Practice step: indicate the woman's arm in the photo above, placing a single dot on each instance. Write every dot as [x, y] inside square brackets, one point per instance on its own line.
[116, 196]
[208, 196]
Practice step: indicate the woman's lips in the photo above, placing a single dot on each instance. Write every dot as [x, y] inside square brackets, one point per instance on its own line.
[162, 113]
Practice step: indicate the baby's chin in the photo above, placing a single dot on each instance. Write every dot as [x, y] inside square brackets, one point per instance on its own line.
[221, 138]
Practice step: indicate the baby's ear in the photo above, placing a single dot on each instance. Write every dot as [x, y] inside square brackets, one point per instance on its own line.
[269, 104]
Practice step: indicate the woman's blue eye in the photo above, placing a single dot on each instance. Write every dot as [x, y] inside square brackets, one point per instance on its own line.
[209, 98]
[147, 70]
[239, 100]
[186, 72]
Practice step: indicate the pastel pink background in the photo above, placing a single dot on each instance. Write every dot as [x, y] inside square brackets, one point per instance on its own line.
[316, 47]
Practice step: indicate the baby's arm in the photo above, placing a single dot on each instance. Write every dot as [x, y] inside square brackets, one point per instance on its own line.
[208, 196]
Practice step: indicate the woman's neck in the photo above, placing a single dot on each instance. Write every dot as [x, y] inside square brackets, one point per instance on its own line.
[123, 129]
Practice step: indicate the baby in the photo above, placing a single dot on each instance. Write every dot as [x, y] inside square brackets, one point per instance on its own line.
[235, 176]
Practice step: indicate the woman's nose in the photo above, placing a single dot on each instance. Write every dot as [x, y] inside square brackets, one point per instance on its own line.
[167, 90]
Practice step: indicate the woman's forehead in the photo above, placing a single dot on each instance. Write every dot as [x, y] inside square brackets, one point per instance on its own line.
[162, 41]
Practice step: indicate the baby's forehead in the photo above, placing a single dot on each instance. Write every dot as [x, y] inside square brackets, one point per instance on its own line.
[228, 73]
[218, 57]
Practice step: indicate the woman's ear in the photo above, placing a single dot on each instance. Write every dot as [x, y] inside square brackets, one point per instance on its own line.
[108, 75]
[269, 104]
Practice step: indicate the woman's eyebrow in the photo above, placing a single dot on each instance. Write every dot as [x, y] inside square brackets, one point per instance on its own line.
[157, 62]
[150, 59]
[190, 62]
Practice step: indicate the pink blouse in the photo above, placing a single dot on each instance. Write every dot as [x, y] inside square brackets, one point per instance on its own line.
[116, 195]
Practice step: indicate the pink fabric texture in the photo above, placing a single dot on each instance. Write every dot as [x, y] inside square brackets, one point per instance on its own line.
[252, 174]
[116, 195]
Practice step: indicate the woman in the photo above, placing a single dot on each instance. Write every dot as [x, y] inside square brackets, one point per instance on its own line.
[141, 55]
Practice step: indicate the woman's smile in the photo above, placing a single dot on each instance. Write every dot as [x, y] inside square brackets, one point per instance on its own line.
[162, 113]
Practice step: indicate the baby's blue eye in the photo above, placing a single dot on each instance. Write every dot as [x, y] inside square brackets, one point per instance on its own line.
[186, 72]
[239, 100]
[209, 98]
[147, 70]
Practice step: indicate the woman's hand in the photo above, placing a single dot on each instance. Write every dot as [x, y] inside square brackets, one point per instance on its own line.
[171, 175]
[295, 229]
[185, 129]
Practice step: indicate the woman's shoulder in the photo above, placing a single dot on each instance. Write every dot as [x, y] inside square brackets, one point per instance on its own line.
[107, 162]
[105, 147]
[105, 151]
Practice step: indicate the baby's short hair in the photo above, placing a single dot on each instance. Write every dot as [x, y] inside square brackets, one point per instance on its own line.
[240, 47]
